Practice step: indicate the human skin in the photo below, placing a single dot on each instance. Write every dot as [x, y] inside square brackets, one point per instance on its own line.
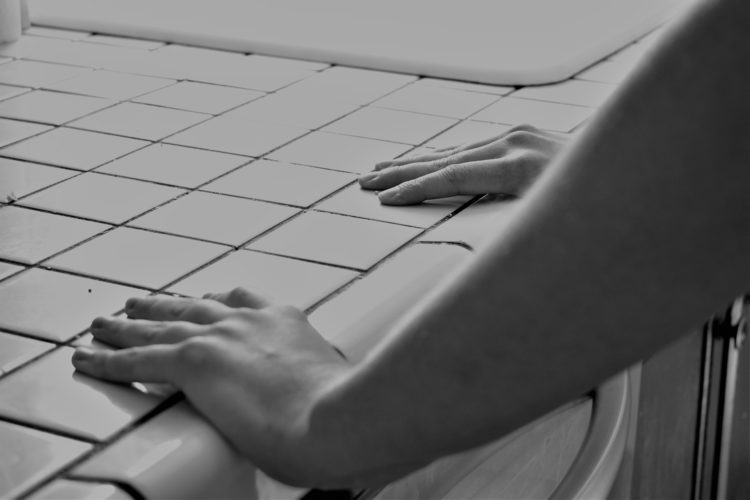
[637, 232]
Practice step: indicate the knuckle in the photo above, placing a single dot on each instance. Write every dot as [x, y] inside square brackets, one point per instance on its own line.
[196, 352]
[238, 294]
[453, 175]
[523, 127]
[518, 137]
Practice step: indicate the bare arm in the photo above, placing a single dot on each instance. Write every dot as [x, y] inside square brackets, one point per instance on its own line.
[639, 232]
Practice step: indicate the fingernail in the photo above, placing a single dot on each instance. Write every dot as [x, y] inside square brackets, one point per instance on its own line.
[383, 164]
[83, 354]
[98, 323]
[130, 304]
[367, 178]
[390, 195]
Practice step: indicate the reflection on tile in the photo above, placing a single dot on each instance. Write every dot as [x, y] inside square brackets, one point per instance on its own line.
[62, 489]
[475, 224]
[390, 125]
[73, 148]
[338, 152]
[177, 454]
[119, 41]
[8, 269]
[19, 178]
[436, 101]
[102, 197]
[176, 165]
[140, 121]
[577, 92]
[138, 257]
[362, 315]
[336, 239]
[16, 350]
[6, 91]
[467, 132]
[362, 203]
[285, 281]
[293, 111]
[352, 85]
[30, 236]
[215, 217]
[13, 131]
[544, 115]
[57, 306]
[36, 74]
[281, 182]
[29, 456]
[48, 393]
[50, 107]
[111, 85]
[200, 97]
[237, 136]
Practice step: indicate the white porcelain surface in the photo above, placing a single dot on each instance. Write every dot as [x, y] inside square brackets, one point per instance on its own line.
[51, 107]
[578, 92]
[16, 350]
[292, 110]
[545, 115]
[200, 97]
[467, 132]
[110, 85]
[6, 91]
[36, 74]
[19, 178]
[13, 130]
[8, 269]
[435, 100]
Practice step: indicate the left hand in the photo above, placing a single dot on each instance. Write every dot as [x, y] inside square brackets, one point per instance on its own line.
[252, 368]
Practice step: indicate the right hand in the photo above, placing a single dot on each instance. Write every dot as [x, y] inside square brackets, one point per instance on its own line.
[505, 164]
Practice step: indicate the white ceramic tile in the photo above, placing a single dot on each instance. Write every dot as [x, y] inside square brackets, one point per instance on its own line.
[283, 280]
[36, 74]
[7, 91]
[436, 101]
[544, 115]
[16, 350]
[150, 63]
[8, 269]
[336, 239]
[110, 85]
[357, 86]
[466, 132]
[281, 109]
[634, 53]
[476, 224]
[56, 33]
[119, 41]
[29, 456]
[275, 63]
[176, 165]
[177, 454]
[51, 107]
[138, 257]
[390, 125]
[88, 55]
[578, 92]
[30, 236]
[606, 72]
[140, 121]
[237, 136]
[19, 178]
[29, 46]
[214, 217]
[200, 97]
[102, 197]
[57, 306]
[339, 152]
[61, 489]
[361, 203]
[481, 88]
[281, 182]
[364, 313]
[79, 149]
[13, 130]
[49, 394]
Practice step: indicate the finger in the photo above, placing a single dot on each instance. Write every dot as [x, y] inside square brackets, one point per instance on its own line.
[138, 364]
[393, 176]
[464, 178]
[239, 297]
[139, 332]
[164, 308]
[409, 159]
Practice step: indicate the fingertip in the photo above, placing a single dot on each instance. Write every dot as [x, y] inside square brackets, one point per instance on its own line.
[83, 357]
[393, 196]
[367, 180]
[383, 164]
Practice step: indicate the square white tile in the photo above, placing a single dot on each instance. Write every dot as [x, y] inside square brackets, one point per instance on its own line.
[8, 269]
[262, 62]
[438, 101]
[281, 109]
[56, 33]
[13, 131]
[79, 149]
[336, 239]
[138, 257]
[606, 72]
[352, 85]
[283, 280]
[578, 92]
[390, 125]
[110, 85]
[200, 97]
[102, 197]
[30, 236]
[140, 121]
[214, 217]
[6, 91]
[545, 115]
[281, 183]
[16, 350]
[466, 132]
[339, 152]
[133, 43]
[245, 73]
[36, 74]
[237, 136]
[51, 107]
[19, 178]
[498, 90]
[175, 165]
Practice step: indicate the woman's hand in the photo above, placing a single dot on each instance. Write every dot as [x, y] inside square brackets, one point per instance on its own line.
[252, 368]
[506, 164]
